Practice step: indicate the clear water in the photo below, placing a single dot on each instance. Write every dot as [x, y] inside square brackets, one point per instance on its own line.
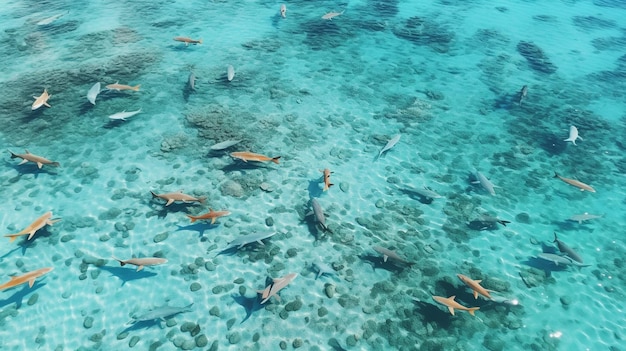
[321, 94]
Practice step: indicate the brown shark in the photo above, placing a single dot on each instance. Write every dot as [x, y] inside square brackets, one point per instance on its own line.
[451, 304]
[41, 100]
[27, 277]
[475, 286]
[178, 196]
[35, 226]
[212, 215]
[582, 186]
[118, 87]
[327, 183]
[140, 262]
[40, 161]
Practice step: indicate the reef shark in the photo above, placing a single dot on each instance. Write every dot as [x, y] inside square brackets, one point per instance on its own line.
[140, 262]
[248, 239]
[391, 143]
[567, 250]
[485, 183]
[276, 285]
[475, 286]
[178, 196]
[41, 100]
[40, 161]
[35, 226]
[92, 94]
[573, 135]
[322, 268]
[560, 260]
[452, 305]
[27, 277]
[212, 215]
[582, 186]
[390, 255]
[318, 214]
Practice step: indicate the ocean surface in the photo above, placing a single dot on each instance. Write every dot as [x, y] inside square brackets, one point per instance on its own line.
[481, 95]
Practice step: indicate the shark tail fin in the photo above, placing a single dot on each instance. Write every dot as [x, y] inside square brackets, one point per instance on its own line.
[153, 194]
[202, 199]
[13, 155]
[556, 175]
[472, 309]
[136, 87]
[12, 237]
[275, 159]
[122, 263]
[555, 238]
[503, 222]
[193, 219]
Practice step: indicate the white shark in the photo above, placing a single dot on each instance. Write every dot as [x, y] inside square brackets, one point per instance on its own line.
[230, 72]
[276, 286]
[485, 183]
[225, 144]
[573, 135]
[391, 143]
[92, 94]
[123, 115]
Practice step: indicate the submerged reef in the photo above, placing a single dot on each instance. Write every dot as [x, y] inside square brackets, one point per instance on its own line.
[424, 31]
[537, 59]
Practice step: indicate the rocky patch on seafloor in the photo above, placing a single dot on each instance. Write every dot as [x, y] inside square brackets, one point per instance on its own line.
[587, 23]
[425, 31]
[328, 34]
[218, 123]
[536, 58]
[415, 110]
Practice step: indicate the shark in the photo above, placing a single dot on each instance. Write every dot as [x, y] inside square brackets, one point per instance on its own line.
[327, 184]
[123, 115]
[322, 268]
[318, 213]
[276, 285]
[560, 260]
[224, 145]
[40, 161]
[92, 94]
[230, 72]
[212, 215]
[140, 262]
[567, 250]
[331, 15]
[391, 143]
[582, 186]
[160, 313]
[248, 239]
[283, 11]
[390, 255]
[573, 135]
[39, 223]
[485, 183]
[475, 286]
[246, 156]
[452, 305]
[580, 218]
[41, 100]
[26, 277]
[117, 86]
[522, 94]
[178, 196]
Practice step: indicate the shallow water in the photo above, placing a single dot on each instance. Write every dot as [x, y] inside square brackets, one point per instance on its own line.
[321, 94]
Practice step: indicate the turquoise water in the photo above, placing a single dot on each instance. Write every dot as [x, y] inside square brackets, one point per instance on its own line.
[444, 75]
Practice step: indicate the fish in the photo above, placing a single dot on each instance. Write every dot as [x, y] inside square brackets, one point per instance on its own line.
[487, 222]
[26, 277]
[119, 87]
[560, 260]
[41, 100]
[391, 143]
[322, 268]
[230, 72]
[390, 255]
[451, 304]
[40, 161]
[584, 217]
[188, 41]
[283, 11]
[212, 215]
[573, 135]
[318, 213]
[276, 286]
[327, 183]
[121, 116]
[50, 19]
[191, 81]
[92, 94]
[249, 156]
[475, 286]
[225, 144]
[426, 193]
[522, 94]
[178, 196]
[331, 15]
[485, 183]
[567, 250]
[34, 227]
[582, 186]
[248, 239]
[140, 262]
[161, 313]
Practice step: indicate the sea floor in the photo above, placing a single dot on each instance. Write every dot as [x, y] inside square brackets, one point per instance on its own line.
[444, 76]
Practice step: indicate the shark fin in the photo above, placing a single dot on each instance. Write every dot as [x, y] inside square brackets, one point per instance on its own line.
[169, 202]
[31, 282]
[30, 234]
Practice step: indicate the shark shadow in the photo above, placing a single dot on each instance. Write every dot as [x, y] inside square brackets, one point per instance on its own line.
[8, 253]
[544, 265]
[238, 165]
[115, 123]
[433, 314]
[24, 243]
[127, 274]
[175, 207]
[21, 294]
[142, 325]
[31, 168]
[379, 262]
[314, 188]
[198, 227]
[416, 196]
[250, 304]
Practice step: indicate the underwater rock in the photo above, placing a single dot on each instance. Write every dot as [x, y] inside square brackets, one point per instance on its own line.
[195, 286]
[234, 338]
[160, 237]
[133, 341]
[322, 311]
[423, 31]
[201, 340]
[231, 188]
[269, 221]
[329, 289]
[493, 343]
[33, 299]
[297, 343]
[536, 58]
[214, 311]
[282, 345]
